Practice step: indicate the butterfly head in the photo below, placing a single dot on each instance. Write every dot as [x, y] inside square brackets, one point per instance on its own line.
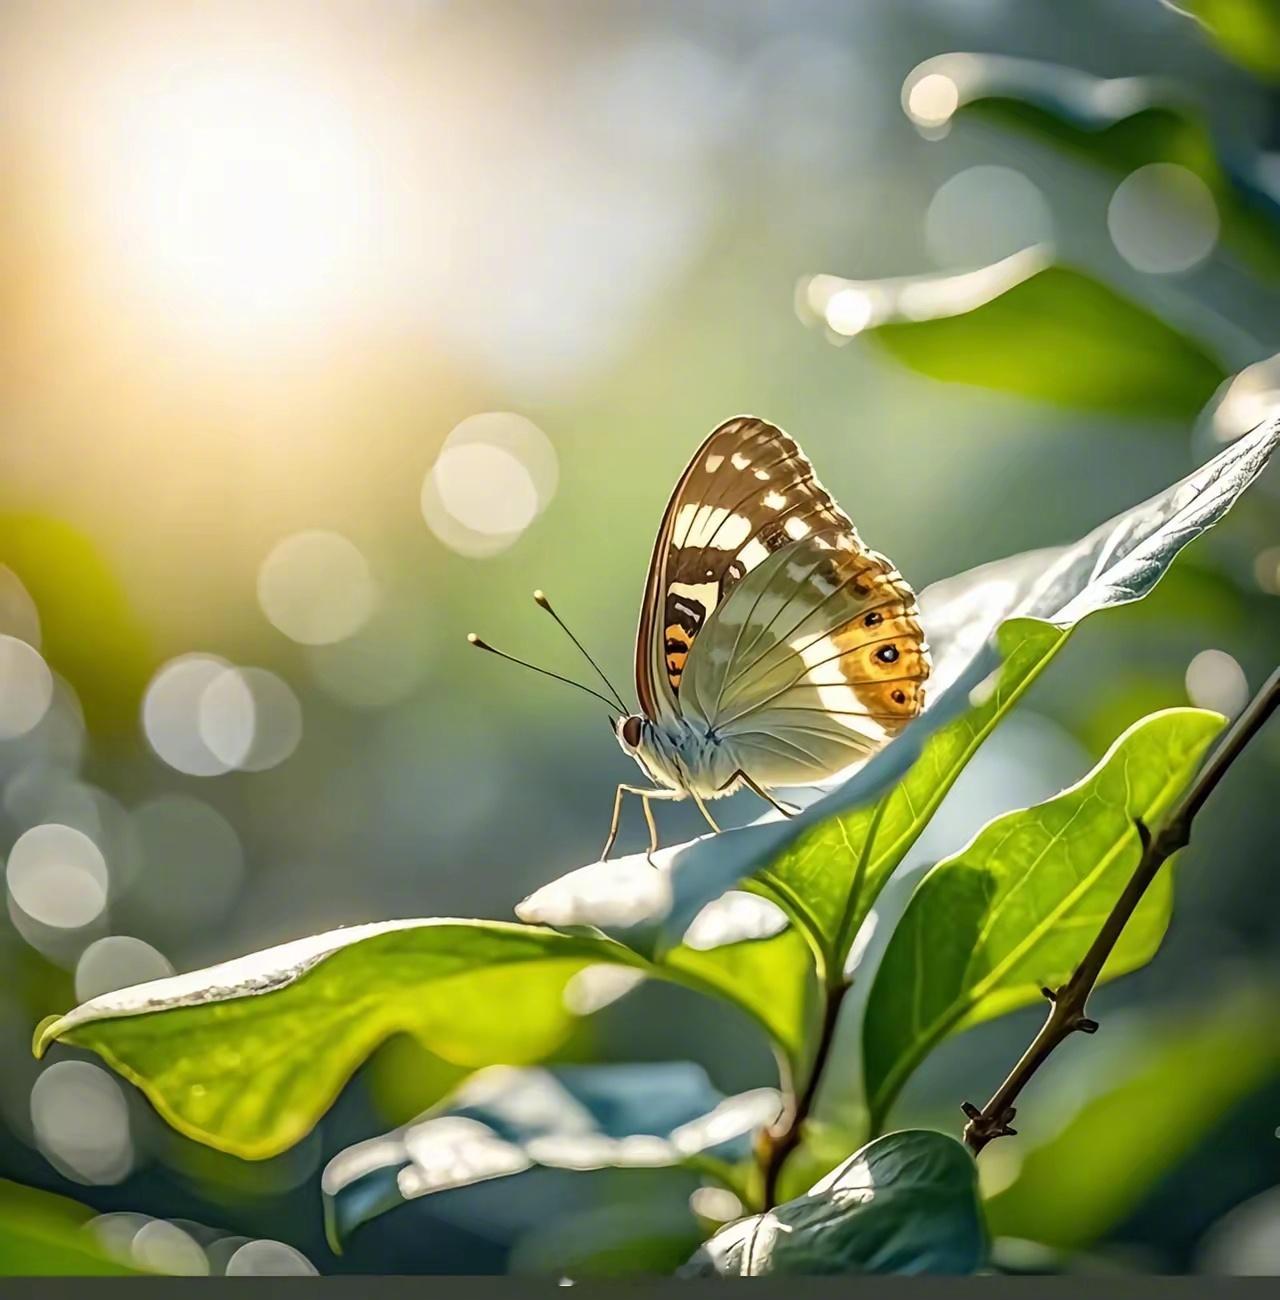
[630, 731]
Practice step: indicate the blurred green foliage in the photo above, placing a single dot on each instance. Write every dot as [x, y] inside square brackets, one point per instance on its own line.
[1061, 336]
[43, 1235]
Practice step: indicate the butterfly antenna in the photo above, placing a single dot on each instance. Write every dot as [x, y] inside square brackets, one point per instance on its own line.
[546, 672]
[540, 597]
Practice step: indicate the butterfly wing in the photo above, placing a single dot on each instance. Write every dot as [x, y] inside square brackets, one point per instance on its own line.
[814, 661]
[747, 493]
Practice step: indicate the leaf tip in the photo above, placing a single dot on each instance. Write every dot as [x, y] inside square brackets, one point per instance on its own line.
[46, 1033]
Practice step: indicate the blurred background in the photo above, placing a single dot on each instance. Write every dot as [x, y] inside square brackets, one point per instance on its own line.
[330, 330]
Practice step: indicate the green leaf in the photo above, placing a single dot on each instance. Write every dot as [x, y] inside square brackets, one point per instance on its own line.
[840, 868]
[1148, 1104]
[503, 1121]
[1247, 31]
[1017, 909]
[43, 1235]
[246, 1056]
[905, 1203]
[1061, 336]
[992, 630]
[1114, 125]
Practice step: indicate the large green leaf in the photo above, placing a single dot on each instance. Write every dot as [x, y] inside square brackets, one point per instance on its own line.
[504, 1121]
[246, 1056]
[43, 1235]
[1017, 909]
[1115, 125]
[1147, 1104]
[905, 1203]
[992, 630]
[1024, 326]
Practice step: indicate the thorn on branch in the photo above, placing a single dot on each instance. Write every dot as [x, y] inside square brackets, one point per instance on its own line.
[983, 1128]
[1085, 1025]
[1049, 993]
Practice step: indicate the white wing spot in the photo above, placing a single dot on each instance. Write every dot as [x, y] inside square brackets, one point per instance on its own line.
[774, 500]
[740, 461]
[705, 593]
[797, 528]
[710, 526]
[713, 463]
[761, 473]
[753, 553]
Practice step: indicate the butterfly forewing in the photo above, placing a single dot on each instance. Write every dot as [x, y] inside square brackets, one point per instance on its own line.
[747, 492]
[768, 619]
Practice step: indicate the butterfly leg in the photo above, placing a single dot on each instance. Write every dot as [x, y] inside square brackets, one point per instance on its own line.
[646, 795]
[702, 808]
[785, 809]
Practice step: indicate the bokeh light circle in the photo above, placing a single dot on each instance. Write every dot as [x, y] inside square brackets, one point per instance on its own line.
[1216, 681]
[57, 876]
[171, 714]
[1163, 219]
[117, 961]
[495, 473]
[266, 1258]
[81, 1122]
[192, 862]
[486, 489]
[163, 1247]
[249, 719]
[316, 587]
[984, 214]
[932, 100]
[26, 687]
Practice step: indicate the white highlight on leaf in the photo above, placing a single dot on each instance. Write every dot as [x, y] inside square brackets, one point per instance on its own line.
[732, 918]
[596, 987]
[622, 892]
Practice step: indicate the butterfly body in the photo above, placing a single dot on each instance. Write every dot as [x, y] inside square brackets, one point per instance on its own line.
[683, 756]
[774, 648]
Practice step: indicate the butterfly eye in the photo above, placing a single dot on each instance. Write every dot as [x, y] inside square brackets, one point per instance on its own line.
[899, 697]
[631, 731]
[887, 654]
[873, 619]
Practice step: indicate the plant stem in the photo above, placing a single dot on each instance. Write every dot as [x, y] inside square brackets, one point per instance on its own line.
[779, 1141]
[1067, 1014]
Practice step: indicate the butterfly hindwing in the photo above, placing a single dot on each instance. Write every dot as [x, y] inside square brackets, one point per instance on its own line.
[814, 661]
[748, 492]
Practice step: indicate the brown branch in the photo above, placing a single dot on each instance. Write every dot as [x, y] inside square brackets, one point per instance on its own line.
[779, 1141]
[1068, 1010]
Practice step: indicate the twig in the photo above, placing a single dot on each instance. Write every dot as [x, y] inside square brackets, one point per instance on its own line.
[1068, 1002]
[778, 1142]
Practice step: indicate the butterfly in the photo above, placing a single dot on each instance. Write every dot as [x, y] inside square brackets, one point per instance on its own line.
[774, 648]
